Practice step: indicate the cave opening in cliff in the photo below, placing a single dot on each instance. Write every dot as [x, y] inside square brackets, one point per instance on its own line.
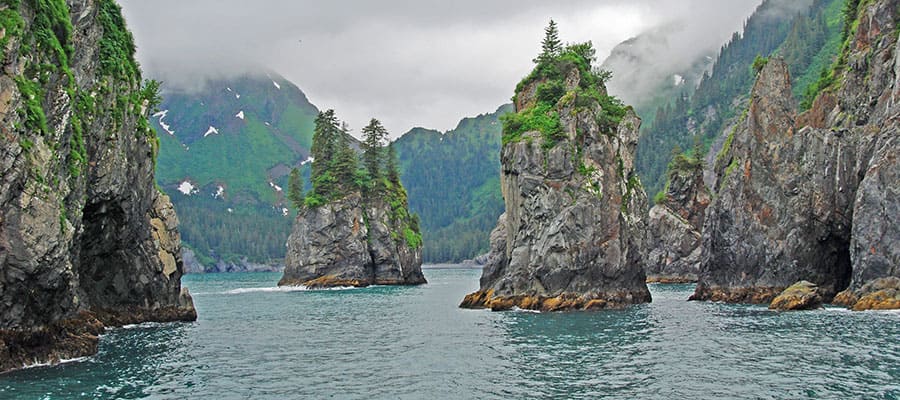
[105, 229]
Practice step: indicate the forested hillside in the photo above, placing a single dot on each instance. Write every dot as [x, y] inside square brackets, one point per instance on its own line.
[226, 152]
[453, 180]
[807, 38]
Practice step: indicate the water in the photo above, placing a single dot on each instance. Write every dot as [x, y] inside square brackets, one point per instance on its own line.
[255, 341]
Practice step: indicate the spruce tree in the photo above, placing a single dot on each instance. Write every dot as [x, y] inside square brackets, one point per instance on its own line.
[323, 143]
[373, 137]
[295, 189]
[393, 171]
[344, 165]
[551, 46]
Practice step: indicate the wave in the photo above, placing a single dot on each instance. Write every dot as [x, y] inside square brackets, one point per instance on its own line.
[38, 364]
[283, 289]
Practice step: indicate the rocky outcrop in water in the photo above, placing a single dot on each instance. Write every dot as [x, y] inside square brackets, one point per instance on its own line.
[802, 295]
[812, 196]
[351, 242]
[675, 223]
[575, 210]
[86, 239]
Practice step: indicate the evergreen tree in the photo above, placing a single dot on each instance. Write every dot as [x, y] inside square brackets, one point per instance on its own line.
[295, 188]
[393, 171]
[323, 143]
[344, 165]
[373, 137]
[551, 46]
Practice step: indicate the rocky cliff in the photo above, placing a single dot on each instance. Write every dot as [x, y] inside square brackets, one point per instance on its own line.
[353, 241]
[675, 223]
[86, 239]
[575, 210]
[813, 196]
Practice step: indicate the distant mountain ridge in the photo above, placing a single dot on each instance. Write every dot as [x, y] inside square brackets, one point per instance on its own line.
[226, 151]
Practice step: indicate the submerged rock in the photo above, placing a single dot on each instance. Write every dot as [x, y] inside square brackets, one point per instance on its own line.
[350, 242]
[575, 210]
[86, 239]
[802, 295]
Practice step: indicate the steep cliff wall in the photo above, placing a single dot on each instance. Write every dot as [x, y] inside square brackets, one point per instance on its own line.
[575, 210]
[812, 196]
[86, 239]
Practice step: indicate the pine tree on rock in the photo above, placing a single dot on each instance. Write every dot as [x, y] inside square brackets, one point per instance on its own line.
[551, 46]
[373, 146]
[393, 171]
[295, 188]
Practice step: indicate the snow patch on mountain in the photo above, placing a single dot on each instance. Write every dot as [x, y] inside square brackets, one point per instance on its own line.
[276, 85]
[162, 114]
[240, 114]
[187, 188]
[211, 131]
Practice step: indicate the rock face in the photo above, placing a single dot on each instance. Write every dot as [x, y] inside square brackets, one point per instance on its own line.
[812, 196]
[575, 216]
[350, 242]
[86, 240]
[673, 244]
[802, 295]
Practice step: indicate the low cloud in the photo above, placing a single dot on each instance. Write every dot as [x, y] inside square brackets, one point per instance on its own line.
[408, 63]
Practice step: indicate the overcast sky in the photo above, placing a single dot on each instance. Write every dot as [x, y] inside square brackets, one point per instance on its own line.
[408, 63]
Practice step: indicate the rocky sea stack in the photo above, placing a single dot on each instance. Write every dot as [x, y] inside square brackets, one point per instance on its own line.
[575, 210]
[675, 223]
[86, 239]
[813, 196]
[354, 228]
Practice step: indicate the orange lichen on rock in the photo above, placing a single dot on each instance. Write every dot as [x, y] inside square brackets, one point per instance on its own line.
[886, 299]
[670, 279]
[751, 295]
[802, 295]
[563, 302]
[329, 281]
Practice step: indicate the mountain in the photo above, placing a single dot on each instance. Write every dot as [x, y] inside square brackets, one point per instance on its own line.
[651, 68]
[226, 152]
[806, 34]
[453, 180]
[86, 239]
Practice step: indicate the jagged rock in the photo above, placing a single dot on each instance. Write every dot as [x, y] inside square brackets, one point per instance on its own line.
[782, 211]
[673, 244]
[86, 240]
[802, 295]
[817, 198]
[350, 242]
[570, 237]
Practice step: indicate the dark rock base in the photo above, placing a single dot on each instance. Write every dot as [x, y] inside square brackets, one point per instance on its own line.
[666, 279]
[751, 295]
[331, 281]
[77, 336]
[564, 302]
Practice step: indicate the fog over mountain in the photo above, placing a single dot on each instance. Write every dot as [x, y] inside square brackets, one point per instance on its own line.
[409, 63]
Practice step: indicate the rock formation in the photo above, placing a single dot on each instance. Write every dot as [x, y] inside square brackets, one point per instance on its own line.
[675, 223]
[86, 239]
[802, 295]
[812, 196]
[351, 242]
[575, 210]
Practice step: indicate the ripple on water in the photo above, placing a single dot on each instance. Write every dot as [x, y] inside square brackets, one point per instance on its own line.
[255, 340]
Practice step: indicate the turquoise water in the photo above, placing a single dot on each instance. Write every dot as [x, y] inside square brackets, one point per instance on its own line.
[253, 341]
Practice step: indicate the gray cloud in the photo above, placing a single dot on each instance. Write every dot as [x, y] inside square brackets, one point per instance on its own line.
[409, 63]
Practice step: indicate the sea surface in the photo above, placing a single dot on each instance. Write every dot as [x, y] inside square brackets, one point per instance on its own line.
[256, 341]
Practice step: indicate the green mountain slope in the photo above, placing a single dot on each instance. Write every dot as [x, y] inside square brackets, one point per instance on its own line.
[453, 180]
[226, 152]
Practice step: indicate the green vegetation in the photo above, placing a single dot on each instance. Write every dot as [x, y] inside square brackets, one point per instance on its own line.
[758, 64]
[554, 64]
[244, 158]
[295, 189]
[336, 173]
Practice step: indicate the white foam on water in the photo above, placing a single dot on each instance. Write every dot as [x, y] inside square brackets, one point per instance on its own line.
[37, 364]
[517, 309]
[283, 289]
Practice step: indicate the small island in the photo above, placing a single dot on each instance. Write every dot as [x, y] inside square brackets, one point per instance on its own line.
[354, 227]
